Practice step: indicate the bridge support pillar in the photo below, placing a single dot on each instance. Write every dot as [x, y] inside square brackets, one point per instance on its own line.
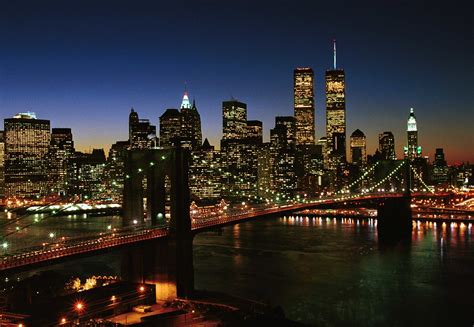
[167, 263]
[394, 220]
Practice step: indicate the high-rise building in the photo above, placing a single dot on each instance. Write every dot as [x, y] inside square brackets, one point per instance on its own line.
[303, 92]
[387, 146]
[86, 174]
[283, 152]
[239, 147]
[170, 128]
[412, 150]
[27, 141]
[264, 162]
[60, 151]
[2, 164]
[335, 115]
[440, 168]
[115, 169]
[358, 148]
[234, 115]
[142, 135]
[190, 123]
[205, 172]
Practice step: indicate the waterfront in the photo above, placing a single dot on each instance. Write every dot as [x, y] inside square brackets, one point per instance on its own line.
[322, 271]
[334, 272]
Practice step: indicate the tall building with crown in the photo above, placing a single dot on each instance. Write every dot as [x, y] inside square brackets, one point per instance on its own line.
[191, 132]
[358, 148]
[412, 150]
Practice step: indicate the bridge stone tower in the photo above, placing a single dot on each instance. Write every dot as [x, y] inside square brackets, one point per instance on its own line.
[395, 215]
[167, 262]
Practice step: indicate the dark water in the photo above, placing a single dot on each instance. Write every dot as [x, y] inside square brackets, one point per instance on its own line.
[335, 273]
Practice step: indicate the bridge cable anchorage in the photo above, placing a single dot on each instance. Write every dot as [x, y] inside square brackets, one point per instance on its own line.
[429, 189]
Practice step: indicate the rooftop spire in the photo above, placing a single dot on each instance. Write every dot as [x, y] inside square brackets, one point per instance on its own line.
[185, 103]
[334, 49]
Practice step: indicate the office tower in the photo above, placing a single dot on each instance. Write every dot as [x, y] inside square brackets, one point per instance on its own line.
[234, 115]
[239, 147]
[27, 141]
[283, 152]
[387, 146]
[205, 172]
[2, 163]
[440, 168]
[191, 123]
[115, 170]
[335, 116]
[412, 150]
[86, 175]
[60, 151]
[264, 163]
[142, 135]
[170, 128]
[303, 93]
[358, 148]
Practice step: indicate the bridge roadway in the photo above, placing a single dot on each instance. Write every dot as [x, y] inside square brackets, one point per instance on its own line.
[50, 254]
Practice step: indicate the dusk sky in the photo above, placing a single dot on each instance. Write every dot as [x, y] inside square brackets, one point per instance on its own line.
[84, 64]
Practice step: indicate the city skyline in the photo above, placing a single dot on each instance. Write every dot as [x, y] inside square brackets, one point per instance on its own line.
[393, 72]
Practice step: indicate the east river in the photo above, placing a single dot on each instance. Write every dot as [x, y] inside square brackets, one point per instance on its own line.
[323, 272]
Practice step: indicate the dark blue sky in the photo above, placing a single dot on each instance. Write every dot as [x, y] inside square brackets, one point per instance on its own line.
[83, 64]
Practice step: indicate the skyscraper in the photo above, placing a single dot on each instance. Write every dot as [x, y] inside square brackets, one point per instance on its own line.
[170, 127]
[205, 172]
[304, 106]
[335, 115]
[358, 148]
[2, 163]
[283, 153]
[60, 151]
[387, 146]
[239, 147]
[412, 150]
[142, 135]
[191, 123]
[440, 168]
[27, 141]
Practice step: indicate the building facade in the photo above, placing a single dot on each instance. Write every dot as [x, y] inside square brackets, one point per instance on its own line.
[27, 141]
[358, 148]
[387, 146]
[60, 151]
[190, 123]
[170, 128]
[412, 150]
[303, 95]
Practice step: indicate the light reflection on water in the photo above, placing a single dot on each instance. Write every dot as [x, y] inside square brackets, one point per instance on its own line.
[332, 272]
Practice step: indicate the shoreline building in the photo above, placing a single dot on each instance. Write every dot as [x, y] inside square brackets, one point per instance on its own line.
[60, 151]
[27, 141]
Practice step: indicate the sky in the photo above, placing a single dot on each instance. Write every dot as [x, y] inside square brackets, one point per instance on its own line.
[84, 64]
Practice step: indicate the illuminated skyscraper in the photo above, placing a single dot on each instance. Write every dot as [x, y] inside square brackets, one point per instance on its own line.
[387, 146]
[234, 120]
[358, 148]
[283, 153]
[190, 123]
[335, 116]
[60, 151]
[170, 127]
[142, 135]
[239, 147]
[27, 141]
[205, 172]
[2, 163]
[412, 150]
[440, 168]
[304, 106]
